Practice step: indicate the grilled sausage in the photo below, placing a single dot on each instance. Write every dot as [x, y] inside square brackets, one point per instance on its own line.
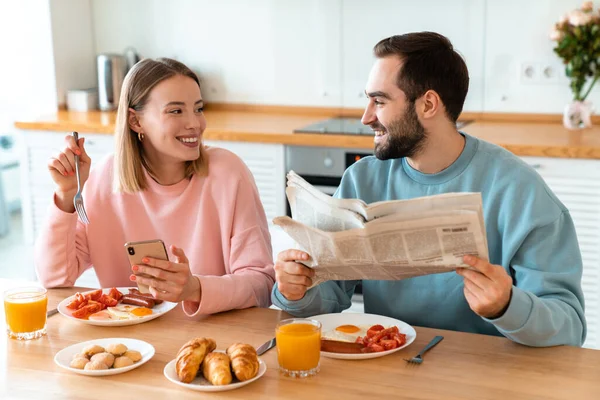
[137, 293]
[137, 301]
[335, 346]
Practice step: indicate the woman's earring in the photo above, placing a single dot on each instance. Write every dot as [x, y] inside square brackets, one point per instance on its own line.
[140, 136]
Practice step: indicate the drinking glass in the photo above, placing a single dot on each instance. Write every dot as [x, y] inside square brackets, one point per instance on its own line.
[298, 347]
[25, 310]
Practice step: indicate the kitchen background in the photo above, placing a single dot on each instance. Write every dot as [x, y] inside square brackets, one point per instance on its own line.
[280, 52]
[284, 52]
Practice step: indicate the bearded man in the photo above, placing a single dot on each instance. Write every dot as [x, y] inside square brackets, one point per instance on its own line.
[530, 289]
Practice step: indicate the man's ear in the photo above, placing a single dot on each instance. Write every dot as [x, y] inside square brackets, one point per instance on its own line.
[133, 120]
[431, 104]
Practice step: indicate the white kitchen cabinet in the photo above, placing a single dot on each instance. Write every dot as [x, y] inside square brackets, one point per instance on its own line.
[267, 164]
[36, 185]
[265, 161]
[577, 184]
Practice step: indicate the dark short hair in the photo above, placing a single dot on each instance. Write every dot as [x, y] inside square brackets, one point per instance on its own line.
[429, 62]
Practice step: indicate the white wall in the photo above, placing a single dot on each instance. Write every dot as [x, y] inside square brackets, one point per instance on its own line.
[27, 85]
[318, 52]
[47, 47]
[73, 45]
[462, 21]
[516, 36]
[259, 51]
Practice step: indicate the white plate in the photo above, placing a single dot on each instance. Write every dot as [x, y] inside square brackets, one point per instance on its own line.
[202, 385]
[64, 357]
[331, 321]
[157, 311]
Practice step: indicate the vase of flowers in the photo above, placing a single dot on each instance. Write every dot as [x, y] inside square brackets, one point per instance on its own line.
[577, 37]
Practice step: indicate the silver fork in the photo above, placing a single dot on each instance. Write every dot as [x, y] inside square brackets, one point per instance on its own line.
[418, 359]
[78, 199]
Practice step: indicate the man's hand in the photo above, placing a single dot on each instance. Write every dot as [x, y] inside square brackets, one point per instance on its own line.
[293, 279]
[488, 289]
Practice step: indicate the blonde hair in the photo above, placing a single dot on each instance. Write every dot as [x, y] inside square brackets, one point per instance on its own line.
[129, 161]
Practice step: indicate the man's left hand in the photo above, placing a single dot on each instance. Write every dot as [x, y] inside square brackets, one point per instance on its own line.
[488, 288]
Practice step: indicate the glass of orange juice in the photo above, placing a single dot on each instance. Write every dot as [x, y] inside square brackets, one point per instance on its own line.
[298, 347]
[25, 310]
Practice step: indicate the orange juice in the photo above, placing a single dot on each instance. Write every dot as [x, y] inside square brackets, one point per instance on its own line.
[299, 346]
[25, 311]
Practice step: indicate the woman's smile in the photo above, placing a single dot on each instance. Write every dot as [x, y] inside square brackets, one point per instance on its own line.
[189, 141]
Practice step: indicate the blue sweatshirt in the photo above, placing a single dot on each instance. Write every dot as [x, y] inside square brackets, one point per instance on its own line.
[530, 233]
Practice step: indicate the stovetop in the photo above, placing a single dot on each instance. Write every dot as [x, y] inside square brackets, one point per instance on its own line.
[337, 126]
[347, 126]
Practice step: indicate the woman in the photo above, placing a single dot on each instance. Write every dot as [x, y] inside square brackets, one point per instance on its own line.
[161, 184]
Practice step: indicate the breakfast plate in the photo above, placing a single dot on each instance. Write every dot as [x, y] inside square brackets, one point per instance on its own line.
[202, 385]
[64, 357]
[120, 315]
[329, 323]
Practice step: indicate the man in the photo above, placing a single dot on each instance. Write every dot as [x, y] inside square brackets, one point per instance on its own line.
[530, 290]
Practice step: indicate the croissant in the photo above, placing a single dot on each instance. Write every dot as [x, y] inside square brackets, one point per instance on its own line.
[216, 368]
[244, 361]
[190, 356]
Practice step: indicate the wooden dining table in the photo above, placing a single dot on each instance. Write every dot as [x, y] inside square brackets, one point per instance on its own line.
[462, 366]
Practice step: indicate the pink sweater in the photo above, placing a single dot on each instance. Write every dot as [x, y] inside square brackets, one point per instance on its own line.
[217, 220]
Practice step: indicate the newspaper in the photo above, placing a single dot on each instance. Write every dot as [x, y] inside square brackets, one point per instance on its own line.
[389, 240]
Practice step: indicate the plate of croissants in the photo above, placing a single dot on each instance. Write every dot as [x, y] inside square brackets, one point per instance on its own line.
[103, 357]
[199, 366]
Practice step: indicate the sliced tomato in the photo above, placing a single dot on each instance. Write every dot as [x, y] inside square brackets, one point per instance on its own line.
[374, 330]
[362, 340]
[88, 310]
[97, 303]
[73, 304]
[376, 348]
[107, 300]
[115, 294]
[367, 349]
[400, 338]
[382, 334]
[389, 344]
[95, 295]
[76, 302]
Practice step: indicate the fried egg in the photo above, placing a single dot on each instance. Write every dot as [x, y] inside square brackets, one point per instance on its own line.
[121, 312]
[346, 333]
[100, 316]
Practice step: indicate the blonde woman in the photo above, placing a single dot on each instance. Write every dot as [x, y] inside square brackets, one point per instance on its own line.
[161, 183]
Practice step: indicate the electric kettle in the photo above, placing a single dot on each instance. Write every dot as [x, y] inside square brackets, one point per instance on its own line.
[112, 69]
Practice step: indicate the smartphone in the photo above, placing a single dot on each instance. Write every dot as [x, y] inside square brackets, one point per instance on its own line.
[149, 248]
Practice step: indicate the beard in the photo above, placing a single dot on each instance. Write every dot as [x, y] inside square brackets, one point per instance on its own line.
[405, 136]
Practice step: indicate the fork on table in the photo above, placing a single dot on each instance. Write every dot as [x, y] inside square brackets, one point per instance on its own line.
[418, 359]
[78, 199]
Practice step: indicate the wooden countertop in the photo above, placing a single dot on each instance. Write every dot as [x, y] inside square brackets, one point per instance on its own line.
[529, 137]
[462, 366]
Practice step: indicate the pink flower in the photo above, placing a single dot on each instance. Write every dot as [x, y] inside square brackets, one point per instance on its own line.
[587, 6]
[578, 18]
[555, 35]
[563, 19]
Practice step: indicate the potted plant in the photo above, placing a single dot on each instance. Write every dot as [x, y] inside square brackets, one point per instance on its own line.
[577, 37]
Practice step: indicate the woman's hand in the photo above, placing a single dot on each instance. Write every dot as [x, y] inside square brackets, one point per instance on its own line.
[170, 281]
[62, 171]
